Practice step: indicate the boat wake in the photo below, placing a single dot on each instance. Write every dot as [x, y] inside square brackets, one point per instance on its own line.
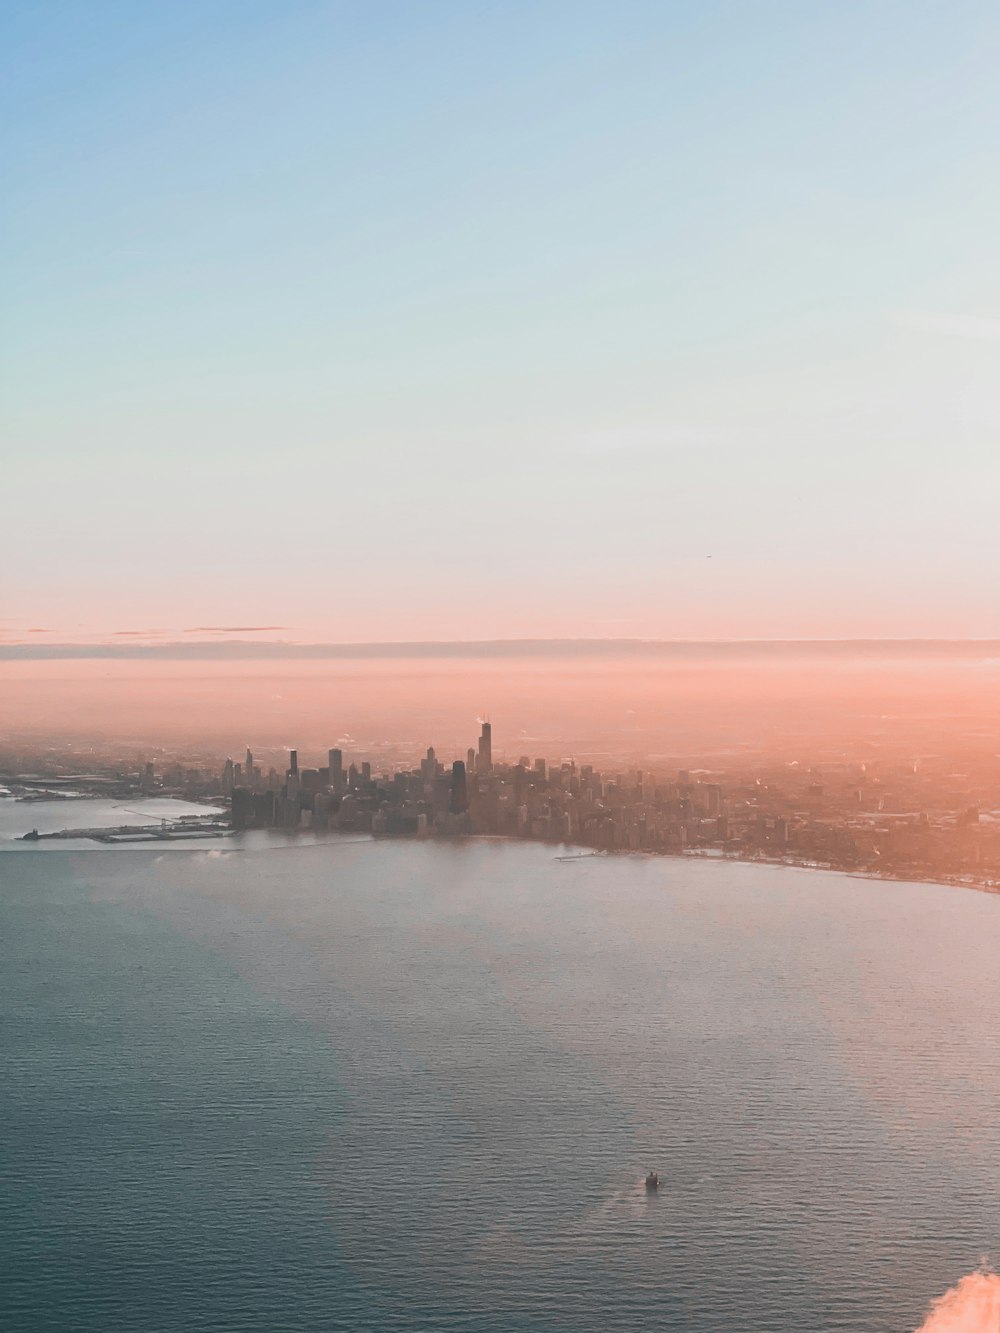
[627, 1204]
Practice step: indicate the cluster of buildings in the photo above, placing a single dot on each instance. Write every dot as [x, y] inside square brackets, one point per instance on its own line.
[431, 799]
[937, 817]
[846, 819]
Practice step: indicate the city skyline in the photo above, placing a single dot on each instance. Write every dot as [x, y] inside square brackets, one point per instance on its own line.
[880, 814]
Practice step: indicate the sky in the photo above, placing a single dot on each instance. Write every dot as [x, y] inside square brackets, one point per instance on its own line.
[377, 321]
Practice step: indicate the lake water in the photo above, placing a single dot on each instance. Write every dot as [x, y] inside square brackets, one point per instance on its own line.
[415, 1086]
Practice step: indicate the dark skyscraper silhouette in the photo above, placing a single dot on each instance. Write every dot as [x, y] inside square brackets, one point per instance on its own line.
[485, 761]
[459, 802]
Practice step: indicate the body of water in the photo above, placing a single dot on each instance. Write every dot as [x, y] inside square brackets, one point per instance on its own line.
[415, 1086]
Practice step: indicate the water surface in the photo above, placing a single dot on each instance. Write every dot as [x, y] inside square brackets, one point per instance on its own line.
[402, 1086]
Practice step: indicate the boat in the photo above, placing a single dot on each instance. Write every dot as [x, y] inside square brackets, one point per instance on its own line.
[652, 1182]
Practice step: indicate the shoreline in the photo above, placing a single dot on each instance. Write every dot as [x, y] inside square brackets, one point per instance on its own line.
[573, 852]
[899, 877]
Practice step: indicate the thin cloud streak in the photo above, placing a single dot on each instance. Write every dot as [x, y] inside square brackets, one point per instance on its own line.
[978, 650]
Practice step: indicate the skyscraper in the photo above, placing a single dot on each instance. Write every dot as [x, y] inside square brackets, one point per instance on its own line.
[293, 761]
[336, 761]
[484, 763]
[459, 795]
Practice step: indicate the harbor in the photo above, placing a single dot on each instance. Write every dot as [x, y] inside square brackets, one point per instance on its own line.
[185, 829]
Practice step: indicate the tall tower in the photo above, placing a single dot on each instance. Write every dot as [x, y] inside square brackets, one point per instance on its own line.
[484, 763]
[336, 761]
[293, 761]
[459, 796]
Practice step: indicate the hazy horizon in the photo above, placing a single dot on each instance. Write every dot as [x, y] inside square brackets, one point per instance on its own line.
[640, 707]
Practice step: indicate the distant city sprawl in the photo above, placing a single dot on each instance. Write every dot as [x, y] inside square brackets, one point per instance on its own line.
[899, 819]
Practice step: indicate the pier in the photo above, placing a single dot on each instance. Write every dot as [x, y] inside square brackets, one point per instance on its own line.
[167, 830]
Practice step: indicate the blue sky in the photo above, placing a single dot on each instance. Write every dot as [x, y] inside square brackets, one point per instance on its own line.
[385, 321]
